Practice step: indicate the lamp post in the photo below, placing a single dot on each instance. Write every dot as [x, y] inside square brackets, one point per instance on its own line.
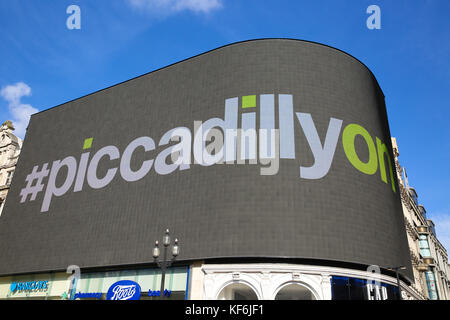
[164, 264]
[396, 269]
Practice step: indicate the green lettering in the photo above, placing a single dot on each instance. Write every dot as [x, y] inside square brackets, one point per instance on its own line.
[383, 150]
[348, 141]
[248, 101]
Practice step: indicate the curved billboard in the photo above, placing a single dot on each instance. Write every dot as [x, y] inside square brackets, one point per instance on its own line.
[265, 148]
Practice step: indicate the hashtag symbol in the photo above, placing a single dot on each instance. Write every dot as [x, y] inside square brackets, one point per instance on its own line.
[37, 176]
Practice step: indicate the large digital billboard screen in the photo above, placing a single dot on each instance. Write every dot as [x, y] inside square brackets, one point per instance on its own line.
[266, 148]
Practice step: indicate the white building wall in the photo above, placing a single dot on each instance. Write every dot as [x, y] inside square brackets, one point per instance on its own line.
[266, 280]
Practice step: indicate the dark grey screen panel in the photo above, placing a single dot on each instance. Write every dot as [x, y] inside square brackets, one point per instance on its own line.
[219, 210]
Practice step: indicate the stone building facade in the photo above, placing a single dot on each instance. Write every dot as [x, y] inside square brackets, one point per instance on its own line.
[428, 255]
[10, 146]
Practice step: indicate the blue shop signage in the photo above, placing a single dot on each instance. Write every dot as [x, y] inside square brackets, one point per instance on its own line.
[166, 293]
[124, 290]
[347, 288]
[29, 286]
[87, 295]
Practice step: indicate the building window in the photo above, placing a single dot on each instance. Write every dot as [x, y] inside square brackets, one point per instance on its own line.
[424, 246]
[237, 291]
[413, 195]
[295, 291]
[9, 177]
[346, 288]
[431, 284]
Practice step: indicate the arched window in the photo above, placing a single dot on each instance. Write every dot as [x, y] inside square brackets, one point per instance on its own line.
[295, 291]
[237, 291]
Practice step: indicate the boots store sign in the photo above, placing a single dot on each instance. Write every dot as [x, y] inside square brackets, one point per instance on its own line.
[124, 290]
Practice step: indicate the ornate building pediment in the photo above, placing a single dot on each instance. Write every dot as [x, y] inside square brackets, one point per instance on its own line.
[7, 137]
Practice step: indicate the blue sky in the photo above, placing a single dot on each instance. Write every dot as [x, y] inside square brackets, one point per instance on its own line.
[43, 63]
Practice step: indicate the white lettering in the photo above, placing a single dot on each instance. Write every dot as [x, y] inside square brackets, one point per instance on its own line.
[123, 292]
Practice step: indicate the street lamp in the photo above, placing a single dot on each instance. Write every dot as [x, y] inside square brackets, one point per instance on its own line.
[164, 264]
[396, 269]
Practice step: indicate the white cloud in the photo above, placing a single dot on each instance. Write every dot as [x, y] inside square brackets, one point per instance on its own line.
[172, 6]
[20, 112]
[198, 5]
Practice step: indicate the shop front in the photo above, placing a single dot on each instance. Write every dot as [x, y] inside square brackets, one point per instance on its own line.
[348, 288]
[44, 286]
[138, 284]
